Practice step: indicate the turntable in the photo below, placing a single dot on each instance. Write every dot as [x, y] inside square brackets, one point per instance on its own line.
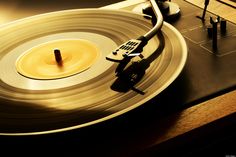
[113, 81]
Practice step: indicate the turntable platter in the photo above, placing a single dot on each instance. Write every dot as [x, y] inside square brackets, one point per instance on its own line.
[38, 106]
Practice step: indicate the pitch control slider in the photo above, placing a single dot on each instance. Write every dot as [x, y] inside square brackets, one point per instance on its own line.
[134, 47]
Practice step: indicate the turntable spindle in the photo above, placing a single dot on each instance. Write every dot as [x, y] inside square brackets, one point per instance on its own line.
[57, 54]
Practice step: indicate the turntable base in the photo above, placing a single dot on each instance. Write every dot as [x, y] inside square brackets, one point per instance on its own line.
[190, 122]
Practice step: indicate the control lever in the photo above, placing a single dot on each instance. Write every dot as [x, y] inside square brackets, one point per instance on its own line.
[214, 32]
[223, 26]
[204, 11]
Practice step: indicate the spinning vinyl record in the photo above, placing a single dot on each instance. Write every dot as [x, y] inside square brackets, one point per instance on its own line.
[40, 95]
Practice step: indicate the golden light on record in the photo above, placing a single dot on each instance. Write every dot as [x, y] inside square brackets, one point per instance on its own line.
[40, 63]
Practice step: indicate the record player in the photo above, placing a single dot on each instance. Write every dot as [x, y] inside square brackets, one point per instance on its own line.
[132, 78]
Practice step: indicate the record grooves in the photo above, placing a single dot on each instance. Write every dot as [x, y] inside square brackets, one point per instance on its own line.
[34, 106]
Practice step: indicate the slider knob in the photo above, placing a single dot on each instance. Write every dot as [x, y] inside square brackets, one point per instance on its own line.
[223, 26]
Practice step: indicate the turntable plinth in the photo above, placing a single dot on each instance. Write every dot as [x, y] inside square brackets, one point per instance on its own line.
[75, 56]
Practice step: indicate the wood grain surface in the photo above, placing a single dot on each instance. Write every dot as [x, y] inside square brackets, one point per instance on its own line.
[201, 114]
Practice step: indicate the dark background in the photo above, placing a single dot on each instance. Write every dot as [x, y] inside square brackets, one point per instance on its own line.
[11, 10]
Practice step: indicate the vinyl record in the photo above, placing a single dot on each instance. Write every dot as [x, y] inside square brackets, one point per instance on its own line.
[40, 105]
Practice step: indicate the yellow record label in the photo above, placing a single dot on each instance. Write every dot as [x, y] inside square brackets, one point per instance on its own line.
[40, 62]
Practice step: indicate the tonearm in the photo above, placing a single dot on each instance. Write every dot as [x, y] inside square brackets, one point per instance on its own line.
[134, 47]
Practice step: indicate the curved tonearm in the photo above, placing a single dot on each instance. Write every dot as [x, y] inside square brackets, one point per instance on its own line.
[134, 47]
